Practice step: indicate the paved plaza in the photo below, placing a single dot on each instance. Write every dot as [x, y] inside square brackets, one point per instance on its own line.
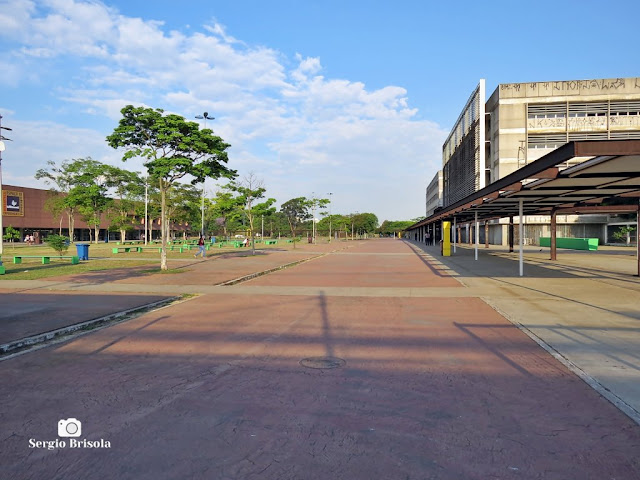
[374, 359]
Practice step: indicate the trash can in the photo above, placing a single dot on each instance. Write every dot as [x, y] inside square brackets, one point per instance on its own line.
[83, 251]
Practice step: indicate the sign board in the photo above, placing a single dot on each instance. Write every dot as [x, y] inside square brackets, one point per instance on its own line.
[12, 203]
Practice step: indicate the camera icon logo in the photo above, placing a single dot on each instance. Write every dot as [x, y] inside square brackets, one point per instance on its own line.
[71, 427]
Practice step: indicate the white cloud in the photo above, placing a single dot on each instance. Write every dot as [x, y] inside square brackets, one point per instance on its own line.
[292, 126]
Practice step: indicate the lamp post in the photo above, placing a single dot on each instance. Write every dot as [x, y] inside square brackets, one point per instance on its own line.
[313, 217]
[205, 116]
[146, 210]
[2, 200]
[202, 212]
[330, 194]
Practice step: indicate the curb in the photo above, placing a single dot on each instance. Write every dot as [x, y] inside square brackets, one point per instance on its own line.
[40, 340]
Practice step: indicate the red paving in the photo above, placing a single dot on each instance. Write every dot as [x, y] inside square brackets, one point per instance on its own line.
[432, 388]
[372, 264]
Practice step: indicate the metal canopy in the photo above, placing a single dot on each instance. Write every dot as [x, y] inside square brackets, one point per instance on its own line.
[607, 168]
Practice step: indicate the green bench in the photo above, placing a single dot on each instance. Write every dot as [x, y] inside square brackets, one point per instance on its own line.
[46, 259]
[157, 249]
[590, 244]
[270, 242]
[124, 249]
[129, 242]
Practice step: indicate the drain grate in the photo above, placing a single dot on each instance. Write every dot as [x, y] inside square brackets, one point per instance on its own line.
[322, 362]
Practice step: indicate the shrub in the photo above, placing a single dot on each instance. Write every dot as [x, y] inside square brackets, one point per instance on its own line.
[59, 243]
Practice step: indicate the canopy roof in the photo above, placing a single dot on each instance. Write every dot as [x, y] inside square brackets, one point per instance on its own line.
[576, 177]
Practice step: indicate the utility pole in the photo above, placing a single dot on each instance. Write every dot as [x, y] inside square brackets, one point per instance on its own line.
[330, 194]
[2, 199]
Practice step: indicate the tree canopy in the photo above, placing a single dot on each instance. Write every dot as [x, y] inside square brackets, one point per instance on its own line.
[173, 148]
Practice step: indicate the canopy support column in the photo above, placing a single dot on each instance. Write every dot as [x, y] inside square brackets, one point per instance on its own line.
[554, 249]
[486, 234]
[521, 239]
[477, 234]
[510, 234]
[455, 237]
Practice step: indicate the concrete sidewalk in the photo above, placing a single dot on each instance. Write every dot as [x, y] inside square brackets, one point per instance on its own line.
[584, 308]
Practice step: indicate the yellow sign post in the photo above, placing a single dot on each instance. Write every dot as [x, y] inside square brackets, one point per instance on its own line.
[446, 239]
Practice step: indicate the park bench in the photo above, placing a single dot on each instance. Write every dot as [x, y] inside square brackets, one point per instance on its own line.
[157, 249]
[270, 242]
[129, 242]
[190, 246]
[124, 249]
[46, 259]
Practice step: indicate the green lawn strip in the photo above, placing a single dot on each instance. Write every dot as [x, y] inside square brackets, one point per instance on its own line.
[35, 270]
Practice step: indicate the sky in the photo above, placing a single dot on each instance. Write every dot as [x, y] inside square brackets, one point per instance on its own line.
[349, 97]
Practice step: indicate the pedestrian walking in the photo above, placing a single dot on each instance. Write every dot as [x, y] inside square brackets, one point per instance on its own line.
[201, 248]
[427, 237]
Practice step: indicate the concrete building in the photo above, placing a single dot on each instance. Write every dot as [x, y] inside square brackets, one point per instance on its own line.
[521, 122]
[434, 194]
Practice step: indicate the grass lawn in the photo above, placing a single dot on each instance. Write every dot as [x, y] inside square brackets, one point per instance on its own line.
[101, 257]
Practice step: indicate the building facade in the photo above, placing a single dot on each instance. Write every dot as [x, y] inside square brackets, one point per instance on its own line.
[522, 122]
[27, 210]
[434, 194]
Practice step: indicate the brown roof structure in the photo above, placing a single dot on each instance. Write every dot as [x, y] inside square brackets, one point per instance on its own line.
[575, 178]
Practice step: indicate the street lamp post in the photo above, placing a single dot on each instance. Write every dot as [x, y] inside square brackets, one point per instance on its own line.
[313, 217]
[330, 194]
[2, 201]
[205, 116]
[146, 210]
[202, 213]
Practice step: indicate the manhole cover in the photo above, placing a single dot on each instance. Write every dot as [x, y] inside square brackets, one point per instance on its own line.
[322, 362]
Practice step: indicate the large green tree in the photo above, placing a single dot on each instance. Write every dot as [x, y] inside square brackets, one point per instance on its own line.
[297, 211]
[173, 148]
[91, 181]
[226, 208]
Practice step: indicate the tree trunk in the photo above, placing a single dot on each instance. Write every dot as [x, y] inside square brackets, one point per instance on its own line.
[163, 226]
[97, 230]
[123, 234]
[72, 227]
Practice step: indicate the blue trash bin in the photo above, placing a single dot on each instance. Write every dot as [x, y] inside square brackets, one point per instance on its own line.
[83, 251]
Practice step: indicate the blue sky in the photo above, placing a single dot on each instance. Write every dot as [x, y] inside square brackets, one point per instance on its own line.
[350, 97]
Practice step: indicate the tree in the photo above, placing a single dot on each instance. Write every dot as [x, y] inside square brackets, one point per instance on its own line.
[62, 180]
[129, 190]
[249, 191]
[59, 243]
[391, 227]
[11, 234]
[225, 208]
[183, 205]
[91, 180]
[173, 148]
[319, 204]
[365, 222]
[624, 234]
[297, 211]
